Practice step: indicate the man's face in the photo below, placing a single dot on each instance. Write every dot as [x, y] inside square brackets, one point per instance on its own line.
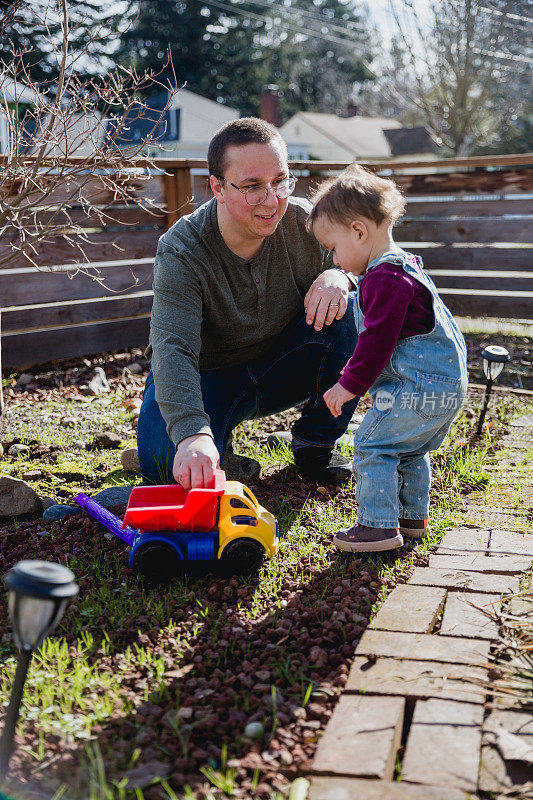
[253, 165]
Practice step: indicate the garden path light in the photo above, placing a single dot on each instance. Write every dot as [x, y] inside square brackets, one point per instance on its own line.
[494, 360]
[38, 595]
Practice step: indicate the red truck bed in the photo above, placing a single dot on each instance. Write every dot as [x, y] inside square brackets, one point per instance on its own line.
[173, 508]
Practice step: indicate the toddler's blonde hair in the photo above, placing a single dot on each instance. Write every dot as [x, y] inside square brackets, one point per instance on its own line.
[357, 193]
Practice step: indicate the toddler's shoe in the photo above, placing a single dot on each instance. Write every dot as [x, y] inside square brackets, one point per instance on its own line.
[362, 539]
[414, 528]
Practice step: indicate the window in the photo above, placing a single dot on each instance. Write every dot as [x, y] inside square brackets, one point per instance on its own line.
[249, 496]
[244, 520]
[235, 503]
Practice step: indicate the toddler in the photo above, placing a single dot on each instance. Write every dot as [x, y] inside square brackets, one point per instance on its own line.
[410, 357]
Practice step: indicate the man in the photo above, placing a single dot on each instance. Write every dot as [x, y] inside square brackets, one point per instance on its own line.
[247, 320]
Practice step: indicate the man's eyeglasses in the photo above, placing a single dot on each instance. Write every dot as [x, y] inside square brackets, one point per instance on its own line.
[255, 195]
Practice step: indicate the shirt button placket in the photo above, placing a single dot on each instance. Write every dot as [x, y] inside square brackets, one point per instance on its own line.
[260, 307]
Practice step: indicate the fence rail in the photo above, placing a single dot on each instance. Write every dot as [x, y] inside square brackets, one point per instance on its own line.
[469, 219]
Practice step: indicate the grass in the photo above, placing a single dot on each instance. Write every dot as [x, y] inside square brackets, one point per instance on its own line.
[72, 689]
[68, 469]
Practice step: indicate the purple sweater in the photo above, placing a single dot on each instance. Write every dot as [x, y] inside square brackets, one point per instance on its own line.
[394, 306]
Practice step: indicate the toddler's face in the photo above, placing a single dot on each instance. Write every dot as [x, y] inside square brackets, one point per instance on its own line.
[350, 249]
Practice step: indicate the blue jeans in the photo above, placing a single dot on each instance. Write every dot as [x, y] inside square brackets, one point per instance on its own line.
[299, 367]
[392, 446]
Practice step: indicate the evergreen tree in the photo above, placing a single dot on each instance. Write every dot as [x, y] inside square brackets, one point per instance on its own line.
[33, 35]
[229, 49]
[322, 57]
[159, 25]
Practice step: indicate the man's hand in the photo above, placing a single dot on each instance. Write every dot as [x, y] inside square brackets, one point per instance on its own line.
[327, 298]
[195, 461]
[335, 398]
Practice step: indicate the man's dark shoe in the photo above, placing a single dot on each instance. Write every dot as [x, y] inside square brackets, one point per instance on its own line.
[363, 539]
[322, 464]
[239, 468]
[279, 438]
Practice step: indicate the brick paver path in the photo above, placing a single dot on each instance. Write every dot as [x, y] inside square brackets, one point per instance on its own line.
[412, 724]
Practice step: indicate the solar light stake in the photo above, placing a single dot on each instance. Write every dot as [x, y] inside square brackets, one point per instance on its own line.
[12, 715]
[494, 359]
[38, 595]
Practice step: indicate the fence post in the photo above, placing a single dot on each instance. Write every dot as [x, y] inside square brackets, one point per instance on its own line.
[178, 193]
[1, 382]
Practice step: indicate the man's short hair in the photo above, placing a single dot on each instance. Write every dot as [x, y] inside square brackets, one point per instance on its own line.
[248, 130]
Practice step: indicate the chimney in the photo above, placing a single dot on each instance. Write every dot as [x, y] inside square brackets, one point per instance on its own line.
[352, 109]
[270, 105]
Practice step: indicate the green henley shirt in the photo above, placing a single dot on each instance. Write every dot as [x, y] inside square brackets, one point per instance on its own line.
[213, 309]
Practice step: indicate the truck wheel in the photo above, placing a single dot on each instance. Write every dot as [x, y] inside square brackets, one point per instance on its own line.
[158, 562]
[242, 556]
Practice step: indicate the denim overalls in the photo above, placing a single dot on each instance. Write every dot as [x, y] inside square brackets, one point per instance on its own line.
[416, 398]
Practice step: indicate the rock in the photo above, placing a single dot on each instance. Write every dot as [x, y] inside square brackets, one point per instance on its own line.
[269, 700]
[129, 459]
[78, 444]
[107, 440]
[114, 496]
[1, 450]
[98, 383]
[147, 773]
[15, 449]
[254, 730]
[32, 474]
[285, 758]
[67, 422]
[47, 502]
[133, 406]
[59, 511]
[135, 368]
[240, 468]
[17, 499]
[25, 379]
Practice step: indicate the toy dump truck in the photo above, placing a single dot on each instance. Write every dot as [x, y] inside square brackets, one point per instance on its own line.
[168, 526]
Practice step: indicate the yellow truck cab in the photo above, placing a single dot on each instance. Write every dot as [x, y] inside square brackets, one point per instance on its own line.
[242, 517]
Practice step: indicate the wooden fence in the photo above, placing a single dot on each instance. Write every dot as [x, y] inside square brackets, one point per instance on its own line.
[469, 219]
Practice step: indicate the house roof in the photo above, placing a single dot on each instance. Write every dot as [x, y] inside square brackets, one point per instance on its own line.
[362, 136]
[204, 116]
[13, 91]
[410, 141]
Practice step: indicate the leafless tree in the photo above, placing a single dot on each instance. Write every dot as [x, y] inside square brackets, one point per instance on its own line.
[458, 66]
[62, 172]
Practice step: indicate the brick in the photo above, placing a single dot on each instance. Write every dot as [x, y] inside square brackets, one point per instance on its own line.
[522, 422]
[453, 730]
[465, 539]
[461, 618]
[354, 789]
[502, 496]
[517, 722]
[463, 579]
[525, 443]
[495, 774]
[422, 647]
[490, 565]
[511, 542]
[522, 605]
[416, 679]
[501, 518]
[362, 738]
[410, 609]
[526, 497]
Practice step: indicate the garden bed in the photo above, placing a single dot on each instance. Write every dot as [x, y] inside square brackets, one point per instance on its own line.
[211, 686]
